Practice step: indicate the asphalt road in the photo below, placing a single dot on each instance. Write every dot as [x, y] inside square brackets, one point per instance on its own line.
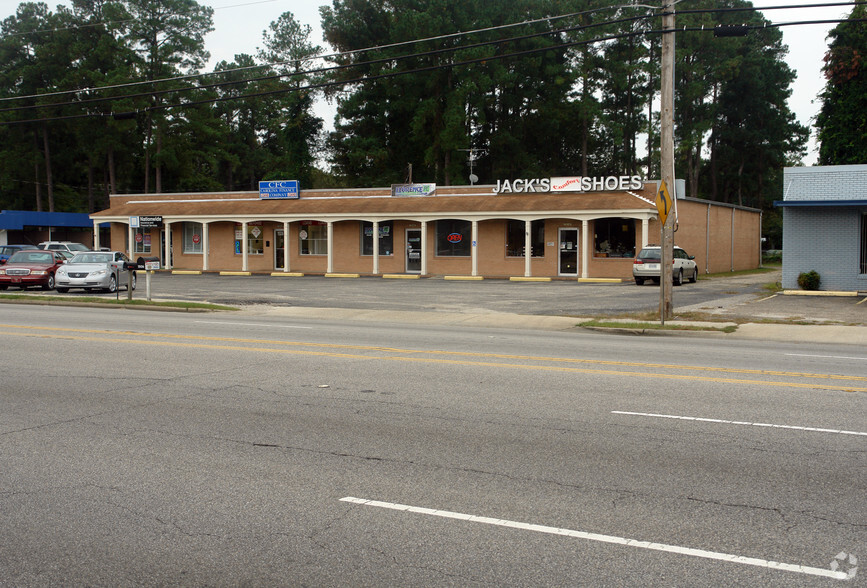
[141, 448]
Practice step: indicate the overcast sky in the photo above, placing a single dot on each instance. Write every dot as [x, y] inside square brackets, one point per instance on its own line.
[238, 27]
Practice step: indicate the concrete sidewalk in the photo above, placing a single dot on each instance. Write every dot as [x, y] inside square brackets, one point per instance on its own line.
[815, 333]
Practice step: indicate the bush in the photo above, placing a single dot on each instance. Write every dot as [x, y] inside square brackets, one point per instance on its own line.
[809, 280]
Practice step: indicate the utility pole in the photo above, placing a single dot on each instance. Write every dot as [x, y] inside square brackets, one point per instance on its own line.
[666, 158]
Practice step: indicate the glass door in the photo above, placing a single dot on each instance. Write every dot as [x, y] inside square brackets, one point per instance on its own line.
[279, 250]
[413, 251]
[568, 252]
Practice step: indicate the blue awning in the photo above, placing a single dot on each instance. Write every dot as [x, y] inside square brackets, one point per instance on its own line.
[818, 203]
[16, 220]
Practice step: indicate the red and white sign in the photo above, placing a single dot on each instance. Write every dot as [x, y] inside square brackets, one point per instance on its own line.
[196, 239]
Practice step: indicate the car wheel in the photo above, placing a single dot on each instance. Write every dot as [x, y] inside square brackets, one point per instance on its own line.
[50, 284]
[678, 279]
[62, 290]
[112, 285]
[639, 281]
[694, 277]
[655, 281]
[3, 287]
[132, 283]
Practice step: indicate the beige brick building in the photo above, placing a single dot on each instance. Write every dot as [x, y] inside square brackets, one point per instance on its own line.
[470, 231]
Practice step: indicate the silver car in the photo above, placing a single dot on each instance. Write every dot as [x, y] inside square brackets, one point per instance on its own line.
[647, 265]
[95, 270]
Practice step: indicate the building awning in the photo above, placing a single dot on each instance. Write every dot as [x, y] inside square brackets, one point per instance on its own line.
[16, 220]
[340, 206]
[817, 203]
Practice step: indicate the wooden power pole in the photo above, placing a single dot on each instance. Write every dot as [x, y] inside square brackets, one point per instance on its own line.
[666, 157]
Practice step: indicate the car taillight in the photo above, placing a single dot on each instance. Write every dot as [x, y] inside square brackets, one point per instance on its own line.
[638, 262]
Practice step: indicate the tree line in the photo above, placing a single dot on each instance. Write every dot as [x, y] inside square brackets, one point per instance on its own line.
[109, 96]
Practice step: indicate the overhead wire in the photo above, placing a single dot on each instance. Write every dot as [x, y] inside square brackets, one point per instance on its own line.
[325, 56]
[308, 72]
[363, 79]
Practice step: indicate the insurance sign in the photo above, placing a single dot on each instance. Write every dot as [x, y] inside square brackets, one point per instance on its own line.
[277, 189]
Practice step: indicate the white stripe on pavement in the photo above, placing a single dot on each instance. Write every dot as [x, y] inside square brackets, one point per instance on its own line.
[725, 422]
[714, 555]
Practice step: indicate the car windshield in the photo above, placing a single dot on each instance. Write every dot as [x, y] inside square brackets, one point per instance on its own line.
[91, 258]
[32, 257]
[77, 247]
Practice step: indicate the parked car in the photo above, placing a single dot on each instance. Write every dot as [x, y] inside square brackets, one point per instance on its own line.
[647, 265]
[31, 267]
[95, 270]
[70, 246]
[6, 251]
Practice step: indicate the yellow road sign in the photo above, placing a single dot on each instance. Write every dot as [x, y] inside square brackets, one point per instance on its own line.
[663, 202]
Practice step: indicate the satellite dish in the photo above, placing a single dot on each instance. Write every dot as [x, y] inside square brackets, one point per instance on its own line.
[473, 179]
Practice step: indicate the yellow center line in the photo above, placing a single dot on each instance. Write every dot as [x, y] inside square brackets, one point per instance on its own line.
[27, 332]
[449, 353]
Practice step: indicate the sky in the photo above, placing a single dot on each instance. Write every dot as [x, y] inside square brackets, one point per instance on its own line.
[238, 27]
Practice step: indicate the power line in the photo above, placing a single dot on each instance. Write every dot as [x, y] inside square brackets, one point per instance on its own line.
[407, 72]
[332, 56]
[338, 55]
[418, 70]
[154, 93]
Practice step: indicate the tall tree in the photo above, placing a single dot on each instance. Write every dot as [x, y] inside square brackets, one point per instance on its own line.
[842, 119]
[169, 37]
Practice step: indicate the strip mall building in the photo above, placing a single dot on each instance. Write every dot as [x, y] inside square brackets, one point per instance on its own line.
[583, 228]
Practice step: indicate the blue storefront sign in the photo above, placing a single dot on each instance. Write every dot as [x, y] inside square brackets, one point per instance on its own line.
[274, 189]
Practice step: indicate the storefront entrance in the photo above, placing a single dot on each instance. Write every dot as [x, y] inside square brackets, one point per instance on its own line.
[413, 251]
[568, 252]
[279, 250]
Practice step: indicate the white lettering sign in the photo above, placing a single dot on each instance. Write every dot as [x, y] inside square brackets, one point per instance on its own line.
[569, 184]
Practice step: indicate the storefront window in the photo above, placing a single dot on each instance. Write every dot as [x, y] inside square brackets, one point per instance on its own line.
[614, 237]
[386, 242]
[515, 238]
[313, 239]
[192, 237]
[453, 238]
[255, 239]
[142, 240]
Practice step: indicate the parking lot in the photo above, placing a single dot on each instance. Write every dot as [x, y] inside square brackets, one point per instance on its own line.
[723, 297]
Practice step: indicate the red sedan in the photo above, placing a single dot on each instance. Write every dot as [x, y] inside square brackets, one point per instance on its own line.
[31, 267]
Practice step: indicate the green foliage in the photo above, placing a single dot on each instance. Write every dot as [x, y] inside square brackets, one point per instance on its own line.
[535, 100]
[809, 280]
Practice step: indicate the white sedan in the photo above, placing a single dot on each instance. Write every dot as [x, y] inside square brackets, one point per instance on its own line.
[95, 270]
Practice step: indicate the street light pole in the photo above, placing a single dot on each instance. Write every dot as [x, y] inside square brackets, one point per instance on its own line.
[666, 156]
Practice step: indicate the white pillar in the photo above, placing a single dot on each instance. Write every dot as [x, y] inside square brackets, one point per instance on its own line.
[205, 246]
[168, 251]
[645, 225]
[330, 245]
[375, 247]
[474, 238]
[130, 241]
[96, 235]
[424, 248]
[585, 249]
[244, 246]
[285, 246]
[528, 248]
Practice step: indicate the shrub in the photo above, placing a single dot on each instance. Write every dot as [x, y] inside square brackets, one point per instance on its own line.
[809, 280]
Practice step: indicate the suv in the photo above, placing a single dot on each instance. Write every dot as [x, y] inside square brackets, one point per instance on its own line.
[647, 266]
[70, 246]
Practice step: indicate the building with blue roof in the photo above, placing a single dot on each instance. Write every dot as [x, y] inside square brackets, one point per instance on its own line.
[825, 225]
